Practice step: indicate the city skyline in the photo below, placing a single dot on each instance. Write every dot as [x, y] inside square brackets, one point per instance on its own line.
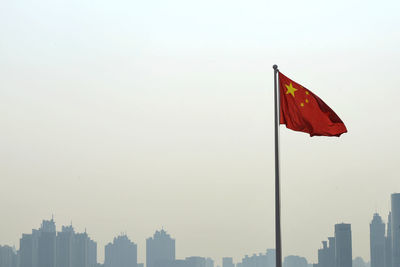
[64, 238]
[47, 247]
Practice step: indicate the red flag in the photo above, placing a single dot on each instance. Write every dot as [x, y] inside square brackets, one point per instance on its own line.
[303, 111]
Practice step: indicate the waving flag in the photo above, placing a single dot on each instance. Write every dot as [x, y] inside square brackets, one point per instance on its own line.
[303, 111]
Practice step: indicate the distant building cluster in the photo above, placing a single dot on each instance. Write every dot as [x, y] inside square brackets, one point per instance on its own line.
[338, 252]
[45, 247]
[384, 243]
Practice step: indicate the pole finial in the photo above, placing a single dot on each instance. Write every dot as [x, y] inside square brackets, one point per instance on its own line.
[275, 67]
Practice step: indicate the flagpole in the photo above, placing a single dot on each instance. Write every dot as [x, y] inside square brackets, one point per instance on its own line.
[278, 240]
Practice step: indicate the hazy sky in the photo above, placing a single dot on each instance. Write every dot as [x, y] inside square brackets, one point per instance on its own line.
[133, 115]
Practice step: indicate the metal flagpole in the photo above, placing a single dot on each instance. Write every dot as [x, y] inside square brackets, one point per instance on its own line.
[278, 241]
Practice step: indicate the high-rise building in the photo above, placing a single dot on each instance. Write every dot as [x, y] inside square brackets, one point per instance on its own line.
[227, 262]
[47, 244]
[343, 246]
[8, 256]
[75, 249]
[395, 230]
[29, 249]
[388, 242]
[377, 241]
[80, 250]
[121, 253]
[65, 242]
[92, 253]
[159, 248]
[46, 248]
[326, 255]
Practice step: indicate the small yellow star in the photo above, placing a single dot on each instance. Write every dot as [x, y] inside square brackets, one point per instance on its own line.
[290, 89]
[307, 93]
[306, 100]
[302, 104]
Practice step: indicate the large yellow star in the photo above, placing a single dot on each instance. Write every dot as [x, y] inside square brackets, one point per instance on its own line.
[290, 89]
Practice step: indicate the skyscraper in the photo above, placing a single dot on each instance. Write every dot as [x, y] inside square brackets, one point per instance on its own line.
[29, 249]
[47, 244]
[121, 253]
[92, 253]
[159, 248]
[388, 243]
[8, 257]
[80, 250]
[65, 240]
[377, 241]
[396, 230]
[343, 247]
[326, 255]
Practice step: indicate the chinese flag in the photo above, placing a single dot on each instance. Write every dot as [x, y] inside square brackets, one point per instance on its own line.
[303, 111]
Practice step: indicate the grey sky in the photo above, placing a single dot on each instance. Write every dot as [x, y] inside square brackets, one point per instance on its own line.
[132, 115]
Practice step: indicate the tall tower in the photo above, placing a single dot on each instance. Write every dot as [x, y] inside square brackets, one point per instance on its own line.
[65, 240]
[28, 249]
[47, 244]
[326, 255]
[377, 241]
[92, 253]
[121, 253]
[343, 248]
[159, 248]
[80, 250]
[388, 242]
[395, 230]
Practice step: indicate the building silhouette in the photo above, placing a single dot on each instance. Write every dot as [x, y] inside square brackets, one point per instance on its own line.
[121, 253]
[326, 254]
[388, 242]
[295, 261]
[47, 248]
[227, 262]
[8, 256]
[47, 244]
[92, 253]
[160, 248]
[377, 241]
[29, 249]
[395, 225]
[257, 260]
[75, 249]
[80, 250]
[343, 246]
[65, 243]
